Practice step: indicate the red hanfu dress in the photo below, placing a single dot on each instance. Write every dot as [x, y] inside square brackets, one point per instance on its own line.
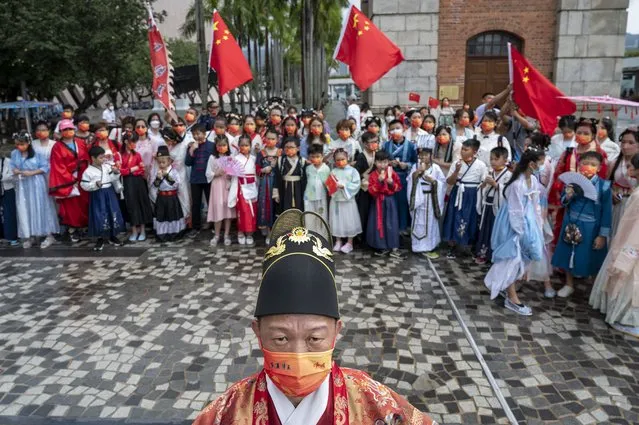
[68, 163]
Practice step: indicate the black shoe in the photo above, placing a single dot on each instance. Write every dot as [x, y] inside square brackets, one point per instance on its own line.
[451, 255]
[396, 254]
[74, 238]
[99, 245]
[115, 241]
[382, 253]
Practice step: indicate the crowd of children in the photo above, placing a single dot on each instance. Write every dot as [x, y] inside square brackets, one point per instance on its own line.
[459, 186]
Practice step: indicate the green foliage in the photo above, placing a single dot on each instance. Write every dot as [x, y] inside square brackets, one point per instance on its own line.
[52, 44]
[632, 53]
[183, 52]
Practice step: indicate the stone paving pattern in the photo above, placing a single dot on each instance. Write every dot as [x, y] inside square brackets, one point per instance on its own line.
[154, 334]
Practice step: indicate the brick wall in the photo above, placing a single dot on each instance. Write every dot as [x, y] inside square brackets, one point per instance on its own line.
[459, 20]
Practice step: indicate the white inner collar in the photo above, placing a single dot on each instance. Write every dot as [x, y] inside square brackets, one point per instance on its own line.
[310, 409]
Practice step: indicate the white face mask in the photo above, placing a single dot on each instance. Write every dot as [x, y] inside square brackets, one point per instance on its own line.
[396, 131]
[389, 118]
[125, 105]
[155, 124]
[111, 107]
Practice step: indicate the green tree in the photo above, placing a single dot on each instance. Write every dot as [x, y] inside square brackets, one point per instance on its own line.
[100, 46]
[183, 52]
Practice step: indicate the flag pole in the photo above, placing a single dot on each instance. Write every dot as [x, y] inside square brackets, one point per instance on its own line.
[341, 35]
[510, 62]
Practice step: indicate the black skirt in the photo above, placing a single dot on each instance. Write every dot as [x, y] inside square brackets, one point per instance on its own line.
[138, 204]
[168, 208]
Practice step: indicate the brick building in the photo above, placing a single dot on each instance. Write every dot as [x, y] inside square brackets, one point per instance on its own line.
[457, 48]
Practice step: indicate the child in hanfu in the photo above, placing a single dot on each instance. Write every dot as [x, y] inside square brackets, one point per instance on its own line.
[290, 178]
[427, 189]
[315, 195]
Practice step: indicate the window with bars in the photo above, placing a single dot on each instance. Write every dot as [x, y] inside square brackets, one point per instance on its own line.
[494, 43]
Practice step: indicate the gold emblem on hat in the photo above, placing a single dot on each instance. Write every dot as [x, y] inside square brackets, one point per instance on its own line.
[299, 236]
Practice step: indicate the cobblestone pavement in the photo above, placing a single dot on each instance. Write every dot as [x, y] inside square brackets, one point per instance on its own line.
[150, 334]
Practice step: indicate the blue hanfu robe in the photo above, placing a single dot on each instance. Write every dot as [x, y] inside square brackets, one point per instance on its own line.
[402, 151]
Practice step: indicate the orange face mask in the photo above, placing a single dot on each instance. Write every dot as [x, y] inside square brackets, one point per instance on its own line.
[316, 160]
[189, 117]
[245, 149]
[42, 134]
[298, 374]
[464, 122]
[374, 130]
[341, 163]
[234, 129]
[140, 131]
[83, 126]
[249, 128]
[373, 146]
[220, 130]
[602, 133]
[416, 122]
[444, 139]
[428, 126]
[588, 170]
[276, 119]
[316, 131]
[583, 139]
[290, 129]
[487, 126]
[306, 121]
[344, 134]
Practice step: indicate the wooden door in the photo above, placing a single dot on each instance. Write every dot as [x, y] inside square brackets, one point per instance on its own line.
[484, 74]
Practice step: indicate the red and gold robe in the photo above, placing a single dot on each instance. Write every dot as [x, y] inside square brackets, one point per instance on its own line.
[354, 399]
[67, 167]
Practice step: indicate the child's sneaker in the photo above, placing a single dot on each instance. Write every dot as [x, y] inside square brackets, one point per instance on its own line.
[142, 237]
[566, 291]
[14, 243]
[99, 245]
[433, 255]
[214, 241]
[74, 237]
[115, 241]
[47, 242]
[267, 241]
[338, 246]
[241, 239]
[451, 255]
[26, 244]
[396, 254]
[250, 241]
[550, 293]
[521, 309]
[347, 248]
[382, 253]
[227, 241]
[133, 237]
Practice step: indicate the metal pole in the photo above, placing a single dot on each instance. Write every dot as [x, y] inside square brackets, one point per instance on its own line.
[25, 111]
[202, 54]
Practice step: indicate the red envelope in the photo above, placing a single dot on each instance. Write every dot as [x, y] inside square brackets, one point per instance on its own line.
[331, 185]
[414, 97]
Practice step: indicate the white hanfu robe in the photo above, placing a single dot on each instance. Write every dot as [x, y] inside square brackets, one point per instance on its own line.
[423, 198]
[178, 155]
[315, 195]
[309, 411]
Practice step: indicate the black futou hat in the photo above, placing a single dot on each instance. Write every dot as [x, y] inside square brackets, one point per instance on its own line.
[298, 272]
[163, 151]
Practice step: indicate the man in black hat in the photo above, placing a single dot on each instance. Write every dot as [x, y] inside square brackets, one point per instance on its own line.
[297, 321]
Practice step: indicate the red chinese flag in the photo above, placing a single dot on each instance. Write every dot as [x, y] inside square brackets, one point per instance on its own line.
[432, 102]
[414, 97]
[368, 53]
[226, 58]
[331, 184]
[535, 95]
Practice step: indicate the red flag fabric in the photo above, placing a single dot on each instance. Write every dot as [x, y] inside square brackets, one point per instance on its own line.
[161, 66]
[535, 95]
[432, 102]
[226, 58]
[414, 97]
[368, 53]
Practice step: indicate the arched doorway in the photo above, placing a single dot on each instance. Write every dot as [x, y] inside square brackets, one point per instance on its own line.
[487, 64]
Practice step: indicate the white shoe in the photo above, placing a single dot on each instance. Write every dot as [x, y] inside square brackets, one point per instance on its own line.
[550, 293]
[47, 242]
[133, 237]
[347, 248]
[241, 239]
[521, 309]
[142, 237]
[227, 241]
[214, 241]
[338, 246]
[26, 244]
[267, 241]
[566, 291]
[250, 241]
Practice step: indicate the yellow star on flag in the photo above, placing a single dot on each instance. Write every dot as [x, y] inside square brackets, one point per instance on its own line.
[526, 70]
[215, 25]
[360, 32]
[355, 20]
[227, 32]
[218, 42]
[526, 79]
[367, 27]
[226, 37]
